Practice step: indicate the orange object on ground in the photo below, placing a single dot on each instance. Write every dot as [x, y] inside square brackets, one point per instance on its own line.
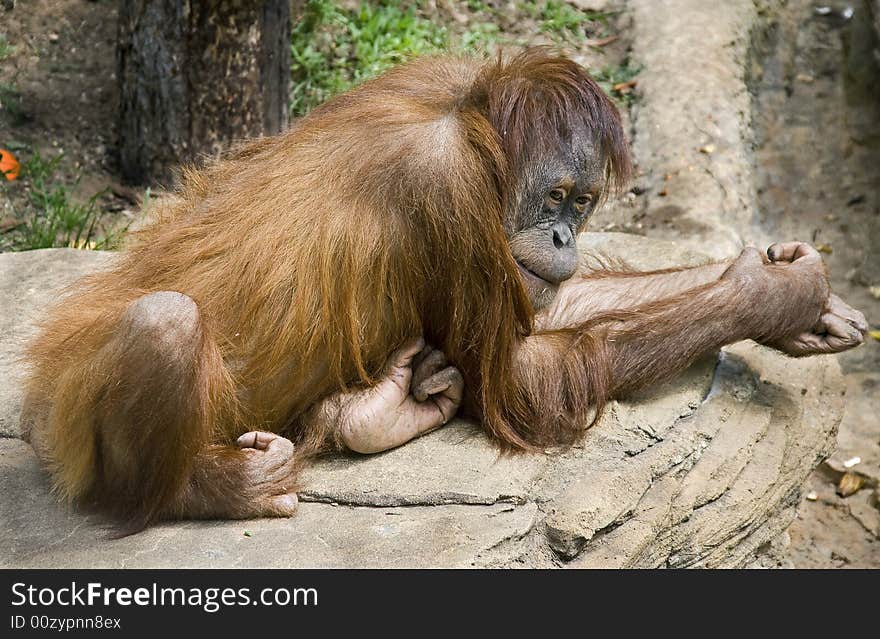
[8, 165]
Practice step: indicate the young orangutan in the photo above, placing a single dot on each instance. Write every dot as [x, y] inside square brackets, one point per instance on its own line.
[284, 302]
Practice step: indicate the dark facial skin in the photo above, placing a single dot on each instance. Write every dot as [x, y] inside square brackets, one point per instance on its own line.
[558, 193]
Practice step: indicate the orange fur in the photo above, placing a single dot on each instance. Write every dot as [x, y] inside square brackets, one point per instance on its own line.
[312, 255]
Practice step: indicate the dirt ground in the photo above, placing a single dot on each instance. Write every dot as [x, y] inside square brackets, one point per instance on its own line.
[63, 69]
[818, 157]
[817, 125]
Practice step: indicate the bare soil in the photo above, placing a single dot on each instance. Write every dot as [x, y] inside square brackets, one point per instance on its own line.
[63, 67]
[817, 126]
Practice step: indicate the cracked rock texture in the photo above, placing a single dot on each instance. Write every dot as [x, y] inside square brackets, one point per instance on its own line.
[700, 472]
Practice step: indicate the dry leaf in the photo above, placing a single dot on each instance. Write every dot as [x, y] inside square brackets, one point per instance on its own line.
[824, 248]
[601, 42]
[850, 484]
[624, 87]
[663, 193]
[875, 335]
[9, 166]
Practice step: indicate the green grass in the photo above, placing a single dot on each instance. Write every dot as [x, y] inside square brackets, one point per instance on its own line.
[562, 21]
[6, 49]
[334, 48]
[608, 77]
[561, 18]
[51, 218]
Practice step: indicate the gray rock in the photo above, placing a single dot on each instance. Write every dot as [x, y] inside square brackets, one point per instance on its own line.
[455, 464]
[38, 533]
[29, 282]
[760, 431]
[698, 472]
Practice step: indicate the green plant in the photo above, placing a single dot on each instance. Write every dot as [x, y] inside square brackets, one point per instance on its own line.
[610, 77]
[563, 19]
[51, 217]
[334, 48]
[480, 36]
[6, 49]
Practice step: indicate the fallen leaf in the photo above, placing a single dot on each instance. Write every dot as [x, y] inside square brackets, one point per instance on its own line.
[663, 193]
[247, 533]
[875, 335]
[601, 42]
[850, 484]
[624, 87]
[9, 166]
[875, 291]
[824, 248]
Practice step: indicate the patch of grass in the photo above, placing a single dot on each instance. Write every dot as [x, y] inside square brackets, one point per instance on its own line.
[610, 77]
[51, 217]
[481, 36]
[562, 21]
[334, 48]
[478, 5]
[562, 18]
[6, 49]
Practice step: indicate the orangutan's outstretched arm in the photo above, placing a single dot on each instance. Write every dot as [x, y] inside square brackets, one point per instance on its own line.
[785, 303]
[596, 292]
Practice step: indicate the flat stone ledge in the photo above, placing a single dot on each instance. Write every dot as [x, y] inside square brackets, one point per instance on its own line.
[700, 471]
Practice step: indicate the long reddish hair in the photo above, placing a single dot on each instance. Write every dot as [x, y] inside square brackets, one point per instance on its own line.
[380, 216]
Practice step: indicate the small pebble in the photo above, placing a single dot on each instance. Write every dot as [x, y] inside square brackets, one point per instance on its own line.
[849, 463]
[812, 496]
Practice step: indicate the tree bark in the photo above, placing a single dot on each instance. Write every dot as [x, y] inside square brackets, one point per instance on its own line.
[194, 76]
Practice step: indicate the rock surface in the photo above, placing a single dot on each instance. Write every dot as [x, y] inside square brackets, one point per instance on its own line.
[29, 282]
[700, 472]
[692, 124]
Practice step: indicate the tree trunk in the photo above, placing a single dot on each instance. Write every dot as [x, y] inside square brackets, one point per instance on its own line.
[196, 75]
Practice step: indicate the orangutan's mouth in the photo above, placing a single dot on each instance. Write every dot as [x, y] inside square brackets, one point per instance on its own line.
[532, 278]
